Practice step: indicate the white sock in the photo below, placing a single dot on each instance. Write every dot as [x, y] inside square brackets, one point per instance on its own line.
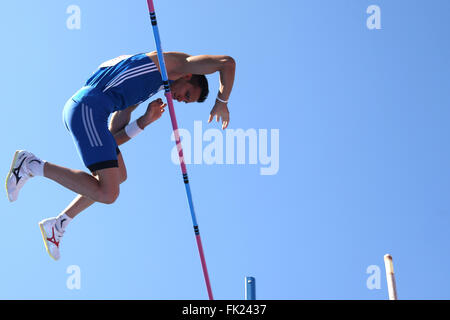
[62, 221]
[36, 166]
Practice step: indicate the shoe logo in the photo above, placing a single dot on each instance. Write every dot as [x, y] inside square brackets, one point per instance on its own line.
[17, 170]
[53, 239]
[62, 222]
[38, 161]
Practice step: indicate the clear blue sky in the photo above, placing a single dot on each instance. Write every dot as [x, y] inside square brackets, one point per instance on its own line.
[364, 159]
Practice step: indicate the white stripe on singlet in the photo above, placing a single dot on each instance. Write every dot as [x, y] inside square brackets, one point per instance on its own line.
[128, 73]
[131, 76]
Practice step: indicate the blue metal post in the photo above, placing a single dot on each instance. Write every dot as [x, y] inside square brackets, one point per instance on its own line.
[250, 288]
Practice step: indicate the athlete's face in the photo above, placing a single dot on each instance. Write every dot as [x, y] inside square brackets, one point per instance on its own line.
[184, 91]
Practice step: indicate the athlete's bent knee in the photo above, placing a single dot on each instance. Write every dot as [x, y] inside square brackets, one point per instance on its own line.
[109, 197]
[109, 185]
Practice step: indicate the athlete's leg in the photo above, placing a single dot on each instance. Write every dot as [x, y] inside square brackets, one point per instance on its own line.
[85, 116]
[104, 189]
[81, 202]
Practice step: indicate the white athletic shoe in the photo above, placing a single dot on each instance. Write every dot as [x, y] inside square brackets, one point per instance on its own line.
[19, 173]
[51, 236]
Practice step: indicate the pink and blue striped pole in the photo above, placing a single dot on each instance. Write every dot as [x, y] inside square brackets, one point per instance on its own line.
[173, 118]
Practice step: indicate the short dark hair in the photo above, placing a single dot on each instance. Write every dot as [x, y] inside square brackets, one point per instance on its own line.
[200, 80]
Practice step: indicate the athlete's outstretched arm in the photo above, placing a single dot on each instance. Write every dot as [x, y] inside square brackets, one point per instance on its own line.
[180, 64]
[207, 64]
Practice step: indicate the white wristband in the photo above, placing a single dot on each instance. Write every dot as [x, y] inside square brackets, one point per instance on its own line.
[221, 99]
[132, 129]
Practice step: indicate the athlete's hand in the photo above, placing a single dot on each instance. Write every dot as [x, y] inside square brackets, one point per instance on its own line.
[220, 110]
[154, 111]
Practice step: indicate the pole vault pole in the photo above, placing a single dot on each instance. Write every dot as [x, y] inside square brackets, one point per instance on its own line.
[173, 118]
